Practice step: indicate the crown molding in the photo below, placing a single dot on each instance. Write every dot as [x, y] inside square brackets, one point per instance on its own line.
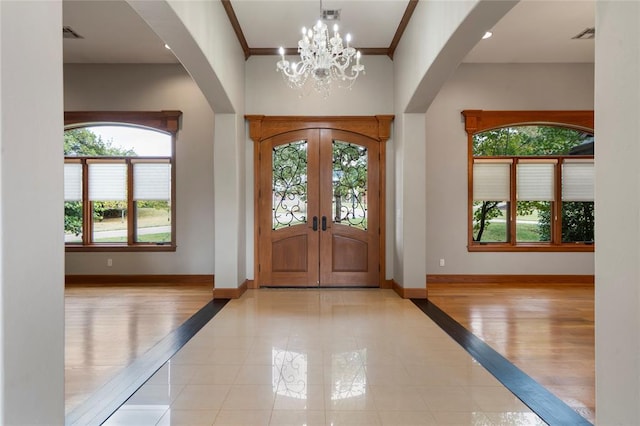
[262, 51]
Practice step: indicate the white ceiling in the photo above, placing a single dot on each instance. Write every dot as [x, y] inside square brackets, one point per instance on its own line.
[113, 33]
[540, 31]
[533, 31]
[270, 24]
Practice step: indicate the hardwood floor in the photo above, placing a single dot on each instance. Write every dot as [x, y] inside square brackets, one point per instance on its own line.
[108, 328]
[545, 330]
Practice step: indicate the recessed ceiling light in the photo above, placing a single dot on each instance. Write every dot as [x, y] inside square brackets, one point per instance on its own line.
[487, 35]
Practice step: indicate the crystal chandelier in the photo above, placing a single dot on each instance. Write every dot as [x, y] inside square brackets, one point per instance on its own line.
[323, 58]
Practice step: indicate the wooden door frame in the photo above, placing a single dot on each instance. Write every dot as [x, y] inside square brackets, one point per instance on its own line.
[261, 127]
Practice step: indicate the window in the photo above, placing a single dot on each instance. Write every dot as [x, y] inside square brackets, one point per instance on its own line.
[119, 181]
[531, 179]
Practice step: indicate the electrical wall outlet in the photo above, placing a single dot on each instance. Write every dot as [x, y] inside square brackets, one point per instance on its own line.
[441, 262]
[109, 262]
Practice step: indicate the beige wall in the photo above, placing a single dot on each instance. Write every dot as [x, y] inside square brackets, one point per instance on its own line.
[436, 40]
[202, 38]
[490, 87]
[152, 88]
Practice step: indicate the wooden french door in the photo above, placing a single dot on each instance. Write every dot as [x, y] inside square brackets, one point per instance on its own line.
[319, 209]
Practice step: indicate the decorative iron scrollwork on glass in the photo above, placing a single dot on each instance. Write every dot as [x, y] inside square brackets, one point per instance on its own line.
[289, 184]
[350, 184]
[293, 375]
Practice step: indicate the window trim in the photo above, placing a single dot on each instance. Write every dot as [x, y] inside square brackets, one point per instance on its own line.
[164, 121]
[477, 121]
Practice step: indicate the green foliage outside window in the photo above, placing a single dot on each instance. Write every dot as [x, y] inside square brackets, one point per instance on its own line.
[73, 217]
[82, 142]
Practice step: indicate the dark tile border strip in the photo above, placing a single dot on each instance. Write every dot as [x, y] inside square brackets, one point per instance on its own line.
[106, 400]
[542, 402]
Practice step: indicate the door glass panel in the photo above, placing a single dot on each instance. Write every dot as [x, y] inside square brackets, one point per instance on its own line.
[289, 184]
[349, 178]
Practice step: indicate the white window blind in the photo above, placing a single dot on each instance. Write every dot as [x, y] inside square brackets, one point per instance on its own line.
[107, 182]
[152, 181]
[535, 180]
[577, 180]
[73, 182]
[491, 180]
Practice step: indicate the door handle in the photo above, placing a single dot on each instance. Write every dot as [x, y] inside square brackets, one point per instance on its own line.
[315, 223]
[324, 223]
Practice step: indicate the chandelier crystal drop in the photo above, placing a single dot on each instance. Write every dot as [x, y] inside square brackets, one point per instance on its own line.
[323, 59]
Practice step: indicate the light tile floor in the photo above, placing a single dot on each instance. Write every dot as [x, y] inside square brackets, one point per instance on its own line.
[322, 357]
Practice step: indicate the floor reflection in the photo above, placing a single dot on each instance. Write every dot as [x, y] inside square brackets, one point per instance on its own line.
[348, 378]
[290, 373]
[335, 357]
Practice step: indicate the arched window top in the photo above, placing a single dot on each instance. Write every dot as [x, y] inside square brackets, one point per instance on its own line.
[116, 140]
[107, 124]
[479, 120]
[163, 121]
[531, 140]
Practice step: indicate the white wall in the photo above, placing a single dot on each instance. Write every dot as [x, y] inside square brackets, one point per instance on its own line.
[208, 24]
[268, 94]
[419, 48]
[617, 207]
[229, 177]
[31, 218]
[153, 88]
[491, 87]
[201, 37]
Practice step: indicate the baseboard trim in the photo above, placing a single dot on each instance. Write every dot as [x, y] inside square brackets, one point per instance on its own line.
[231, 293]
[409, 293]
[510, 279]
[386, 284]
[149, 279]
[251, 284]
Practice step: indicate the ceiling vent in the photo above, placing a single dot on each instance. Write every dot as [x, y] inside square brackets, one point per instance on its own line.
[331, 15]
[587, 34]
[68, 32]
